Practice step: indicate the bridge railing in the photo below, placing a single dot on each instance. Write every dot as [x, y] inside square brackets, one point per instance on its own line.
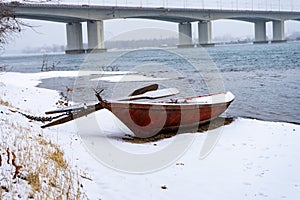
[265, 5]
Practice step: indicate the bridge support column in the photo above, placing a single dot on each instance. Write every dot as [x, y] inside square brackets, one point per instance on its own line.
[260, 32]
[95, 37]
[278, 32]
[204, 33]
[74, 38]
[185, 35]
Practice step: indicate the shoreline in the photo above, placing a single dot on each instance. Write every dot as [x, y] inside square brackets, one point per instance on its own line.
[113, 74]
[250, 155]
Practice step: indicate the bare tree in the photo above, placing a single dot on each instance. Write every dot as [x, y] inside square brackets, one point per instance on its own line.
[9, 24]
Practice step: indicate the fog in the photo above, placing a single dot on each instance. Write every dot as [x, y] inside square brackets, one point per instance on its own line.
[48, 33]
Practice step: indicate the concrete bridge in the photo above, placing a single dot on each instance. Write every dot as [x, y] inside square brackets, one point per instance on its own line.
[74, 15]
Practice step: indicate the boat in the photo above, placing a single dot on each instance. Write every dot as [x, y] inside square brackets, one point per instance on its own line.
[148, 118]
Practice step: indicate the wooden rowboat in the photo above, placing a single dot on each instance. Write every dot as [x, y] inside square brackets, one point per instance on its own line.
[146, 119]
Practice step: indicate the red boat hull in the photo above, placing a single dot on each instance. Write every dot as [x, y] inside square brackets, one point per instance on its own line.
[146, 120]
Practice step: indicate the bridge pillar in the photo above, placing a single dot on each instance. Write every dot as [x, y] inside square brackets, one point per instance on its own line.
[95, 36]
[185, 35]
[204, 33]
[260, 32]
[278, 32]
[74, 38]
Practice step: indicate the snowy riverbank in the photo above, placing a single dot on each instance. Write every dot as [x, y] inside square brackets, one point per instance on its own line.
[252, 159]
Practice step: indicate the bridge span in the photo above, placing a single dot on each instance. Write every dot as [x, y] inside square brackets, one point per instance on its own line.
[74, 15]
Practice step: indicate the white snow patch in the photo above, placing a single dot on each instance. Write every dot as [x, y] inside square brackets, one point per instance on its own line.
[128, 78]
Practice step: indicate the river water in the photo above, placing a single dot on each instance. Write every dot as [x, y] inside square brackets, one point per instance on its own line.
[264, 78]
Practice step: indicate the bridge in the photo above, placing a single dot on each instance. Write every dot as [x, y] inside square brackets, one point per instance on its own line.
[94, 15]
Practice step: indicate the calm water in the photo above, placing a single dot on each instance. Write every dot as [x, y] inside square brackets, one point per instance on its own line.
[264, 78]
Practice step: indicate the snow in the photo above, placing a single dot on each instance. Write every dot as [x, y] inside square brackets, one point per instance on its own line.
[214, 99]
[128, 78]
[251, 159]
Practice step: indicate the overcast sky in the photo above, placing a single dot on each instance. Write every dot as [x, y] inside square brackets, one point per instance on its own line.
[47, 33]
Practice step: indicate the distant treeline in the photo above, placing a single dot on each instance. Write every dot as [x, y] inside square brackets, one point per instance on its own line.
[294, 36]
[45, 49]
[133, 44]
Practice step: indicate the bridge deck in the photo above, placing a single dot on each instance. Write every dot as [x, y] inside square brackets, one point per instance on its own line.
[78, 13]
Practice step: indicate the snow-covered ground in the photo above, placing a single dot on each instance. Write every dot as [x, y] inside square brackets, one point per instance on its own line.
[252, 159]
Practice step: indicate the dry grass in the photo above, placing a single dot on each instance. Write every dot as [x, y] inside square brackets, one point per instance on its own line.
[32, 167]
[58, 157]
[34, 181]
[5, 103]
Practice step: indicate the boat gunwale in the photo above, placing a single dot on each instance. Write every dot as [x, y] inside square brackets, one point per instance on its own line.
[114, 103]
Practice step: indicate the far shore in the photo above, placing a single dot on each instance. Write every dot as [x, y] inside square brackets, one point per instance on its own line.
[48, 49]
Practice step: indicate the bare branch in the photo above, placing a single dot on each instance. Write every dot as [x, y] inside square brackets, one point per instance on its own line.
[9, 24]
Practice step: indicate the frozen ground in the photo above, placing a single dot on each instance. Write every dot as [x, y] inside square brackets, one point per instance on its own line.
[252, 159]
